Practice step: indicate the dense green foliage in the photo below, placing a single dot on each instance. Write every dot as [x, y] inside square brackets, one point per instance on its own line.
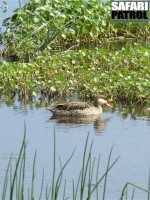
[122, 74]
[39, 34]
[57, 24]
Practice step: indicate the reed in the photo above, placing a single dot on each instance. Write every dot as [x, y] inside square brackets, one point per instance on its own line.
[125, 191]
[17, 176]
[87, 183]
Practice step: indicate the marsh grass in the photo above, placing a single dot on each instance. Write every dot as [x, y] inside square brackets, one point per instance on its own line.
[85, 187]
[124, 194]
[120, 75]
[46, 25]
[44, 42]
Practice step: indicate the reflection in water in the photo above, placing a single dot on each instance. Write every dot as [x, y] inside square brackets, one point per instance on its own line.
[22, 103]
[98, 124]
[101, 125]
[127, 130]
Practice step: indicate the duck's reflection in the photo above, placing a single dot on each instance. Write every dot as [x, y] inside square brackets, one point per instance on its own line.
[98, 124]
[101, 125]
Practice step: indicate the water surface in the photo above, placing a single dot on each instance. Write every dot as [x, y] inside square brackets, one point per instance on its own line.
[128, 135]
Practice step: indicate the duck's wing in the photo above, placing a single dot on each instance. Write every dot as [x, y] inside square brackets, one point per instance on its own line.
[73, 106]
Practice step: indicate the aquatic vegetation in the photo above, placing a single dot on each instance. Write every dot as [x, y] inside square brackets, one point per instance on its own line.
[121, 75]
[42, 37]
[84, 187]
[80, 190]
[54, 25]
[43, 41]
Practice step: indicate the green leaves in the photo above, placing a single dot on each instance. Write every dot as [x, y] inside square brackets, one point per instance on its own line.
[122, 74]
[51, 24]
[4, 7]
[53, 89]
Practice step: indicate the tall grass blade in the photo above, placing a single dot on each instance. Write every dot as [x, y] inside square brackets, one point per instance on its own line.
[126, 192]
[6, 180]
[56, 33]
[48, 191]
[42, 186]
[89, 177]
[105, 181]
[135, 186]
[33, 178]
[20, 193]
[75, 190]
[58, 182]
[82, 171]
[91, 170]
[64, 192]
[54, 167]
[85, 171]
[96, 185]
[133, 194]
[16, 168]
[97, 173]
[11, 177]
[23, 172]
[123, 191]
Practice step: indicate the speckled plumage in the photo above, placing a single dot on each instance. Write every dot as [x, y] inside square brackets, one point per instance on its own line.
[79, 108]
[77, 112]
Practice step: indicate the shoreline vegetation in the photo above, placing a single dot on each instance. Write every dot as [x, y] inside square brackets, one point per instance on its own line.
[86, 185]
[45, 41]
[47, 55]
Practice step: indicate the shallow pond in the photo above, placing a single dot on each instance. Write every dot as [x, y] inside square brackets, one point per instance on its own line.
[129, 135]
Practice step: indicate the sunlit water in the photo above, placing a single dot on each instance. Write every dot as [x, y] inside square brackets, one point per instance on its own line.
[129, 137]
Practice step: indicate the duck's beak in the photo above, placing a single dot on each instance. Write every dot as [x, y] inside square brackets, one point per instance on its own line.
[107, 104]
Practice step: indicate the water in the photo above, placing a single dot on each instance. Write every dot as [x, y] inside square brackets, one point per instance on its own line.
[12, 5]
[129, 137]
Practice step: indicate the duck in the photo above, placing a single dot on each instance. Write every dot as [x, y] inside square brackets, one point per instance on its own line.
[81, 109]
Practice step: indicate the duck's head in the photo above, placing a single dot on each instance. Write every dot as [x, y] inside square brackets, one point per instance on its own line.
[99, 101]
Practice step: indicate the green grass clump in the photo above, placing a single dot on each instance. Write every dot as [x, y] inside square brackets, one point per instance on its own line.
[86, 186]
[14, 183]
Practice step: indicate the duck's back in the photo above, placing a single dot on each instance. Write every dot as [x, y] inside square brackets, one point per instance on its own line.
[75, 109]
[73, 106]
